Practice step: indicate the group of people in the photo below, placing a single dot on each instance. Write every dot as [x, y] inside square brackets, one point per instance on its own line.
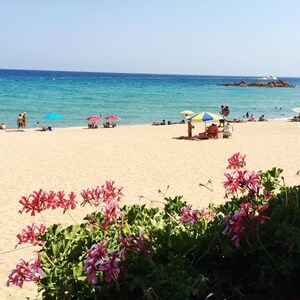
[163, 122]
[251, 118]
[22, 120]
[224, 111]
[213, 130]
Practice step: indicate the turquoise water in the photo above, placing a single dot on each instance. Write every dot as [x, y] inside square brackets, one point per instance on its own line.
[136, 98]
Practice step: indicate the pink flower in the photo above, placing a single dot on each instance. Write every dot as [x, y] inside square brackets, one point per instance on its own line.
[35, 268]
[30, 235]
[242, 180]
[245, 222]
[20, 274]
[25, 272]
[65, 203]
[94, 254]
[236, 161]
[207, 214]
[107, 193]
[110, 267]
[38, 201]
[112, 211]
[51, 201]
[252, 181]
[189, 216]
[136, 244]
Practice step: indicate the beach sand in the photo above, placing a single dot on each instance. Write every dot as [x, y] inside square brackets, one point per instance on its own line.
[141, 158]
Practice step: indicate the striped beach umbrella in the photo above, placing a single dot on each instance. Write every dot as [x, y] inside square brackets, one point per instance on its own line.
[204, 117]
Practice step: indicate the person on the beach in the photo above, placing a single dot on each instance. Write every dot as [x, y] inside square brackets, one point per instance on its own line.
[228, 130]
[221, 110]
[20, 121]
[190, 128]
[262, 118]
[163, 122]
[3, 126]
[212, 131]
[252, 119]
[24, 120]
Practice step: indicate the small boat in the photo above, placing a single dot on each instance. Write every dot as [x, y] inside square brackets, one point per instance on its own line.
[269, 78]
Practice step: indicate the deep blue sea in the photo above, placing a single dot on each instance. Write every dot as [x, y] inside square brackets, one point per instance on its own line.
[136, 98]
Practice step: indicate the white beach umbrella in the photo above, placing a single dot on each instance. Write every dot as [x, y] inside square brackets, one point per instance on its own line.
[187, 113]
[296, 109]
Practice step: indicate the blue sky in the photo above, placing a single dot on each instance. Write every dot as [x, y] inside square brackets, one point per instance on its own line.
[205, 37]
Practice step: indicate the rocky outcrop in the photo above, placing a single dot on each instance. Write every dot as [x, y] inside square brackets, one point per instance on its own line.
[271, 84]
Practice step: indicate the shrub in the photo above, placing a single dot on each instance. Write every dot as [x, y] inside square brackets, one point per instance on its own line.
[247, 248]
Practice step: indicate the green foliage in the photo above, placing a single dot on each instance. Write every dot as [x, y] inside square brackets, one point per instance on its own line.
[188, 261]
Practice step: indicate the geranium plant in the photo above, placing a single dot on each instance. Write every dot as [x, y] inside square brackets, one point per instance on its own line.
[247, 248]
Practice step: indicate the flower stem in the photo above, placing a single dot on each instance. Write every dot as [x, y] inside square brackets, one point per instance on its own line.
[71, 217]
[260, 242]
[42, 217]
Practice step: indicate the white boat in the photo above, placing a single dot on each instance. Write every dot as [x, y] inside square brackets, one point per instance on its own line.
[269, 78]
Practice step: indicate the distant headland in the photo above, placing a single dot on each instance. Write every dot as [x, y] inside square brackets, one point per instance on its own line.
[271, 84]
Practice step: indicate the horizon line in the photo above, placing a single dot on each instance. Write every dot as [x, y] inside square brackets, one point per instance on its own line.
[137, 73]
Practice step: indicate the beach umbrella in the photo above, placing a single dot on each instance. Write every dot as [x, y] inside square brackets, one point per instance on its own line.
[52, 116]
[113, 118]
[94, 119]
[187, 113]
[296, 109]
[204, 117]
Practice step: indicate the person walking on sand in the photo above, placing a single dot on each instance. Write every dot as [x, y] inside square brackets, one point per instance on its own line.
[190, 128]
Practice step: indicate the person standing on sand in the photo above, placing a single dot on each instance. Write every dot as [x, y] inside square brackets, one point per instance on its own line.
[190, 128]
[20, 121]
[24, 120]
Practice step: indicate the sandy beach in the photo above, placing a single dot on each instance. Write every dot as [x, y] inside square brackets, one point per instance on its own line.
[140, 158]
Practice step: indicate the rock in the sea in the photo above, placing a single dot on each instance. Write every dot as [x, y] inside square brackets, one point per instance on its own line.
[276, 83]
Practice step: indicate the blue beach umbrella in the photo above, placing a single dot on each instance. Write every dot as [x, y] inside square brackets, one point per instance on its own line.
[52, 116]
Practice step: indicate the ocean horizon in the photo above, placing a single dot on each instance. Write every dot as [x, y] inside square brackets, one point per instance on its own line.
[136, 98]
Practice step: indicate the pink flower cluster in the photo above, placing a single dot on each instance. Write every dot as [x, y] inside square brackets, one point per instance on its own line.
[95, 253]
[41, 200]
[192, 216]
[236, 161]
[104, 194]
[242, 180]
[30, 235]
[136, 244]
[99, 260]
[189, 215]
[239, 179]
[245, 222]
[107, 197]
[26, 272]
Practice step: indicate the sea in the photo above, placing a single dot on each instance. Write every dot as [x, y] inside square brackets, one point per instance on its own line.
[135, 98]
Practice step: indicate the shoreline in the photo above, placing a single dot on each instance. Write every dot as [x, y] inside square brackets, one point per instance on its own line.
[286, 119]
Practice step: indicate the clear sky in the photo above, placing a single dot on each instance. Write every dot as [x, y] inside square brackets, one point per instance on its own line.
[205, 37]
